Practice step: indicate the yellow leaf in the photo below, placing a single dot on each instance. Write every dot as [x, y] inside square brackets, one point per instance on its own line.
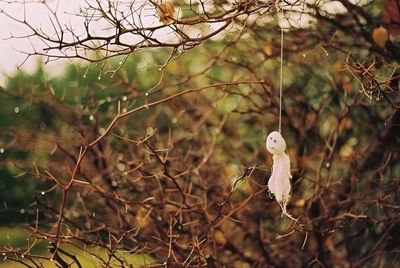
[300, 203]
[220, 237]
[268, 47]
[241, 264]
[380, 36]
[166, 13]
[142, 217]
[347, 149]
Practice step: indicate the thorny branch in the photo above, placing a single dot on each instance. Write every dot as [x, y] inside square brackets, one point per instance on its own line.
[187, 205]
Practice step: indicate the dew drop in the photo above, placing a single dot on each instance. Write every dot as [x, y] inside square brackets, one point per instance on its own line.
[108, 99]
[84, 76]
[114, 184]
[147, 94]
[43, 193]
[102, 131]
[2, 151]
[22, 256]
[328, 164]
[146, 106]
[174, 120]
[304, 55]
[124, 98]
[16, 109]
[124, 110]
[160, 69]
[94, 214]
[99, 77]
[22, 211]
[91, 117]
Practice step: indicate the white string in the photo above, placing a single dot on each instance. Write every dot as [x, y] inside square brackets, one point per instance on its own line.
[281, 74]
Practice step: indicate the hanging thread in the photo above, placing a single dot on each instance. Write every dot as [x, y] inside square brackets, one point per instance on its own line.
[281, 73]
[279, 184]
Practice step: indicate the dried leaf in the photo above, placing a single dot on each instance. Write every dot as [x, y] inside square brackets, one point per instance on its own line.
[268, 47]
[166, 13]
[380, 36]
[142, 217]
[220, 237]
[300, 203]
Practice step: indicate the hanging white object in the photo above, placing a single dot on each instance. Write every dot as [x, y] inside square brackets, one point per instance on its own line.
[279, 182]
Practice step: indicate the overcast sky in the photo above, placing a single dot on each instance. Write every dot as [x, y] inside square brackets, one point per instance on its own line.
[10, 54]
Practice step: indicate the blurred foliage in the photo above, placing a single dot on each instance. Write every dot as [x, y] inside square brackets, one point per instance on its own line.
[341, 134]
[19, 238]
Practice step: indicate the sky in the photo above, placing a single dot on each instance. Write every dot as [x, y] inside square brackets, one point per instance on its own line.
[12, 50]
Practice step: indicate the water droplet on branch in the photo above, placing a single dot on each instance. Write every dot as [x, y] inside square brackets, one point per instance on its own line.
[328, 164]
